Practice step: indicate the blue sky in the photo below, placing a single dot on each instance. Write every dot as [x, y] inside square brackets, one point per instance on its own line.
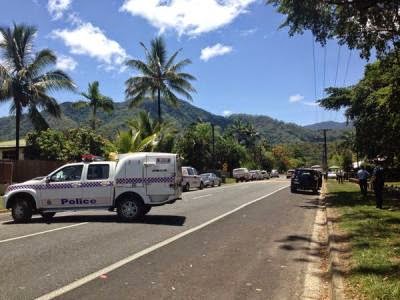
[243, 63]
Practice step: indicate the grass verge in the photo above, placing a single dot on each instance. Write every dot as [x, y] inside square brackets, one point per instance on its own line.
[230, 180]
[1, 203]
[374, 235]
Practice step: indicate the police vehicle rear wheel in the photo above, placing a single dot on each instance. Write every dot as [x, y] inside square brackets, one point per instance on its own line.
[201, 185]
[21, 211]
[130, 209]
[47, 215]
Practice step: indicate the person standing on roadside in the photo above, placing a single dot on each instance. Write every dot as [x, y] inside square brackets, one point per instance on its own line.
[362, 176]
[378, 182]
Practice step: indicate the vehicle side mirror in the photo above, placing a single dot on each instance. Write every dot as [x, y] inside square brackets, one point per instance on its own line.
[48, 179]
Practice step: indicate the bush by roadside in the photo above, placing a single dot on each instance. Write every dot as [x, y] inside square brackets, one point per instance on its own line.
[374, 268]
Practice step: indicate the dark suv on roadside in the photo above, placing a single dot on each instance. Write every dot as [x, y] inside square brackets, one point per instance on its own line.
[305, 179]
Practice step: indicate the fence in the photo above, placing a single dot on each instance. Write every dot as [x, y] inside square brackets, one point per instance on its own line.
[6, 172]
[23, 170]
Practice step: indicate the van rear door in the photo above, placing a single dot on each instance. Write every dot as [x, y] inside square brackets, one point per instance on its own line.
[160, 174]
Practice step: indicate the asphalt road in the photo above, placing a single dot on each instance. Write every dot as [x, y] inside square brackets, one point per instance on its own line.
[188, 250]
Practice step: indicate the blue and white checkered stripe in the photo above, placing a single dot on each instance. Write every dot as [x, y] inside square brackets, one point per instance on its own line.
[91, 184]
[146, 180]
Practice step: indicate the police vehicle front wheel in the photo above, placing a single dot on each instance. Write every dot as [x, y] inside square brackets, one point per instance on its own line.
[130, 209]
[146, 209]
[21, 211]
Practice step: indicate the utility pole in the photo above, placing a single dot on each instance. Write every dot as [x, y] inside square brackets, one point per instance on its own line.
[213, 145]
[325, 155]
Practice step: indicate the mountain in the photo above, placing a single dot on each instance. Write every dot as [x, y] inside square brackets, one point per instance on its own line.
[182, 116]
[331, 125]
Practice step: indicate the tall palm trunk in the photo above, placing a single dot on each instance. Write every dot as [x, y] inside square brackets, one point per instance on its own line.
[159, 106]
[17, 125]
[94, 117]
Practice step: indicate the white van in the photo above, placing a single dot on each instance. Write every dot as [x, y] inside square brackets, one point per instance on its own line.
[133, 185]
[241, 174]
[191, 179]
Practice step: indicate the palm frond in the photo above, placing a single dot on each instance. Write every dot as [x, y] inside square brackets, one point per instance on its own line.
[106, 104]
[141, 67]
[158, 50]
[38, 122]
[180, 65]
[42, 59]
[172, 59]
[54, 81]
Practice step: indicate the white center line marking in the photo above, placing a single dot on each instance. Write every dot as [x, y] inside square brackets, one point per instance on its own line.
[203, 196]
[41, 232]
[118, 264]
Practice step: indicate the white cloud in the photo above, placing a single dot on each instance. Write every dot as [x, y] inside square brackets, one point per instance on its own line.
[189, 17]
[86, 39]
[296, 98]
[57, 7]
[248, 32]
[213, 51]
[66, 63]
[227, 113]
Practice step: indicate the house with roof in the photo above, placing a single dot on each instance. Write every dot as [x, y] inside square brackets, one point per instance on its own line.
[7, 150]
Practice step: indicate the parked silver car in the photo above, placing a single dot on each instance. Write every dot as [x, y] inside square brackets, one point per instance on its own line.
[210, 179]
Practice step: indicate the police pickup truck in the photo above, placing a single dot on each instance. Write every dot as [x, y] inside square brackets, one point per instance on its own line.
[132, 185]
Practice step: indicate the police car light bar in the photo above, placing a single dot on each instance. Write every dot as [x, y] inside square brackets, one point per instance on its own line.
[91, 157]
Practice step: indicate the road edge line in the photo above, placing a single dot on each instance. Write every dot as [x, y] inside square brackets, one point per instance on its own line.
[133, 257]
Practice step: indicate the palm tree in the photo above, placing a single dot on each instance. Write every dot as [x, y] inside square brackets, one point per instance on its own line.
[131, 141]
[159, 77]
[25, 78]
[96, 101]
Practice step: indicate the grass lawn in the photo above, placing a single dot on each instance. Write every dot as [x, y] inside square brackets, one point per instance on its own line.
[229, 180]
[374, 271]
[1, 202]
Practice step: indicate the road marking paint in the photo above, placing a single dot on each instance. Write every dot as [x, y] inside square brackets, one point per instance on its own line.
[118, 264]
[41, 232]
[203, 196]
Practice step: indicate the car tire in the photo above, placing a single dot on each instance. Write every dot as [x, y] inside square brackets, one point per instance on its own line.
[219, 183]
[201, 185]
[293, 190]
[186, 188]
[47, 216]
[146, 209]
[130, 209]
[21, 211]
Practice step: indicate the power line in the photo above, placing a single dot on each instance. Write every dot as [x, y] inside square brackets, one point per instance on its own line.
[347, 68]
[315, 77]
[337, 65]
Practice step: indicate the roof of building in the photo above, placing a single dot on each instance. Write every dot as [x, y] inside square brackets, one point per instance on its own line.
[11, 144]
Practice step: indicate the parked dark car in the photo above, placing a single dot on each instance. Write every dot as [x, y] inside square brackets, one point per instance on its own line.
[210, 179]
[305, 179]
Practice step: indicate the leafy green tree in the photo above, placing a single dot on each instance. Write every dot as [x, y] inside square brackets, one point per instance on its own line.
[68, 145]
[96, 101]
[361, 24]
[25, 78]
[373, 107]
[160, 77]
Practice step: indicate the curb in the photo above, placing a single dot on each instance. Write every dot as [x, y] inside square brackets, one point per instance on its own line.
[336, 286]
[2, 211]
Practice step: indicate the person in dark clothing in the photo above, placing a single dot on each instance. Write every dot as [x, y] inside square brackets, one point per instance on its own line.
[378, 182]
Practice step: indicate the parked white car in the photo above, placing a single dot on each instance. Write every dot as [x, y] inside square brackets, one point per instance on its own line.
[241, 174]
[274, 173]
[191, 179]
[133, 185]
[265, 174]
